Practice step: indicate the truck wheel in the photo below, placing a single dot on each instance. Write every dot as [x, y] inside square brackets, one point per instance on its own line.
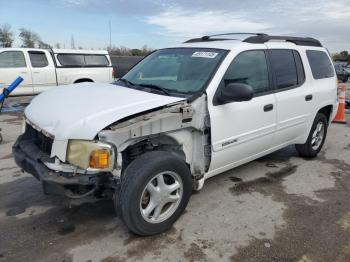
[316, 137]
[155, 190]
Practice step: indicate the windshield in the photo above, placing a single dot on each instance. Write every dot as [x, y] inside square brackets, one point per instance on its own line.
[174, 71]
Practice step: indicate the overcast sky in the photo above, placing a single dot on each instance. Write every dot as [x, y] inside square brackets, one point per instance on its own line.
[159, 23]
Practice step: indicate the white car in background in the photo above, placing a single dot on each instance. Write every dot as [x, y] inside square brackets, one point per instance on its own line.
[44, 68]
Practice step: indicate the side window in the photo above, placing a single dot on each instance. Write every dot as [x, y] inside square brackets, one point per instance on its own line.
[249, 68]
[284, 68]
[12, 59]
[321, 65]
[38, 59]
[74, 60]
[96, 60]
[82, 60]
[300, 67]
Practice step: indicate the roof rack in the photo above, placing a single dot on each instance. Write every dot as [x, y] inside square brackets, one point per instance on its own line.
[208, 38]
[258, 38]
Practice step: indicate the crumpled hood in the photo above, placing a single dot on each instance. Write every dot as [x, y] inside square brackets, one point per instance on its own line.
[80, 111]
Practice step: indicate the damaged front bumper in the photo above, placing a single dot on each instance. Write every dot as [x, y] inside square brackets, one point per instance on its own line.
[31, 159]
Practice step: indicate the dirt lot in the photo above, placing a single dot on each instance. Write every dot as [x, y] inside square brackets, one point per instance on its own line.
[278, 208]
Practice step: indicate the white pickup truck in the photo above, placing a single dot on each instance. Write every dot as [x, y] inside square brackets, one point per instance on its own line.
[44, 68]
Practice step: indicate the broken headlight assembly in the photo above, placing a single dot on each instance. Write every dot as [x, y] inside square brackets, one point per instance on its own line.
[91, 155]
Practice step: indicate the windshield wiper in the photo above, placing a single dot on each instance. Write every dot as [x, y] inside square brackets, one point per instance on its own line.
[159, 88]
[127, 82]
[132, 85]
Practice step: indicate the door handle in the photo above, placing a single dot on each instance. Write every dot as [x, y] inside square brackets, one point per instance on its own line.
[308, 98]
[268, 107]
[23, 72]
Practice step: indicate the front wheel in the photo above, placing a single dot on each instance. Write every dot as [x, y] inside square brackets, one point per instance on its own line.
[316, 137]
[155, 190]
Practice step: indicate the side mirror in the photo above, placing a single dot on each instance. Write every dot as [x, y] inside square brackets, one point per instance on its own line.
[234, 92]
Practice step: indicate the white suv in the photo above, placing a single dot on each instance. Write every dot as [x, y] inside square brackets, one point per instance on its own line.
[178, 117]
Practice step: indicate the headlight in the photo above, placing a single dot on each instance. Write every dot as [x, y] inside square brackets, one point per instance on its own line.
[92, 155]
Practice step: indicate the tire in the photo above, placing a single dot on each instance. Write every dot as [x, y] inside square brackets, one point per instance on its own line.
[311, 148]
[135, 199]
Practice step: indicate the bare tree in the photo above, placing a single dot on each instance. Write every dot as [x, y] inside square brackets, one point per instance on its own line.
[57, 46]
[6, 36]
[125, 51]
[145, 50]
[44, 45]
[120, 51]
[31, 39]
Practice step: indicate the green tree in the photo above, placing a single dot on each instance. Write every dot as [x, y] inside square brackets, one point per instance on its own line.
[342, 56]
[6, 36]
[136, 52]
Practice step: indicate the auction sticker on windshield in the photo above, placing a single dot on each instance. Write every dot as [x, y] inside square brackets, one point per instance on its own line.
[205, 54]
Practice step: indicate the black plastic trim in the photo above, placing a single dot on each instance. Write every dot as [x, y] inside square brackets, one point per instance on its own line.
[30, 158]
[263, 38]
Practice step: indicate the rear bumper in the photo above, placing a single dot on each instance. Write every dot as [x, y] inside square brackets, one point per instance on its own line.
[31, 159]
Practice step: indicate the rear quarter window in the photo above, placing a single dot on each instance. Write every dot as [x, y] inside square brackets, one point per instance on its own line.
[74, 60]
[321, 65]
[96, 60]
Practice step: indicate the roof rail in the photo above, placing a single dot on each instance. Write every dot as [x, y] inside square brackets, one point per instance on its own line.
[263, 38]
[208, 38]
[259, 38]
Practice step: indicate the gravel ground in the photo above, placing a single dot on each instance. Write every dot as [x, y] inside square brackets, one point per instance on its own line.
[278, 208]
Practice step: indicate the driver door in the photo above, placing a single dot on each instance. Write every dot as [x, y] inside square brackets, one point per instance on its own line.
[242, 131]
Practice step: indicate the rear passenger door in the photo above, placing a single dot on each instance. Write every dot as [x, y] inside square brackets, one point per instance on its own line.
[293, 99]
[43, 70]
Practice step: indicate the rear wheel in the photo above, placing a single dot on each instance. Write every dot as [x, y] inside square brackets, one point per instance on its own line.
[155, 190]
[316, 137]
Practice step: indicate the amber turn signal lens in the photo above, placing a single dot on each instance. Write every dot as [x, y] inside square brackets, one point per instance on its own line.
[99, 159]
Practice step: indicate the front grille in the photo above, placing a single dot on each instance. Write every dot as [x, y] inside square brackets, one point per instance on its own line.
[43, 142]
